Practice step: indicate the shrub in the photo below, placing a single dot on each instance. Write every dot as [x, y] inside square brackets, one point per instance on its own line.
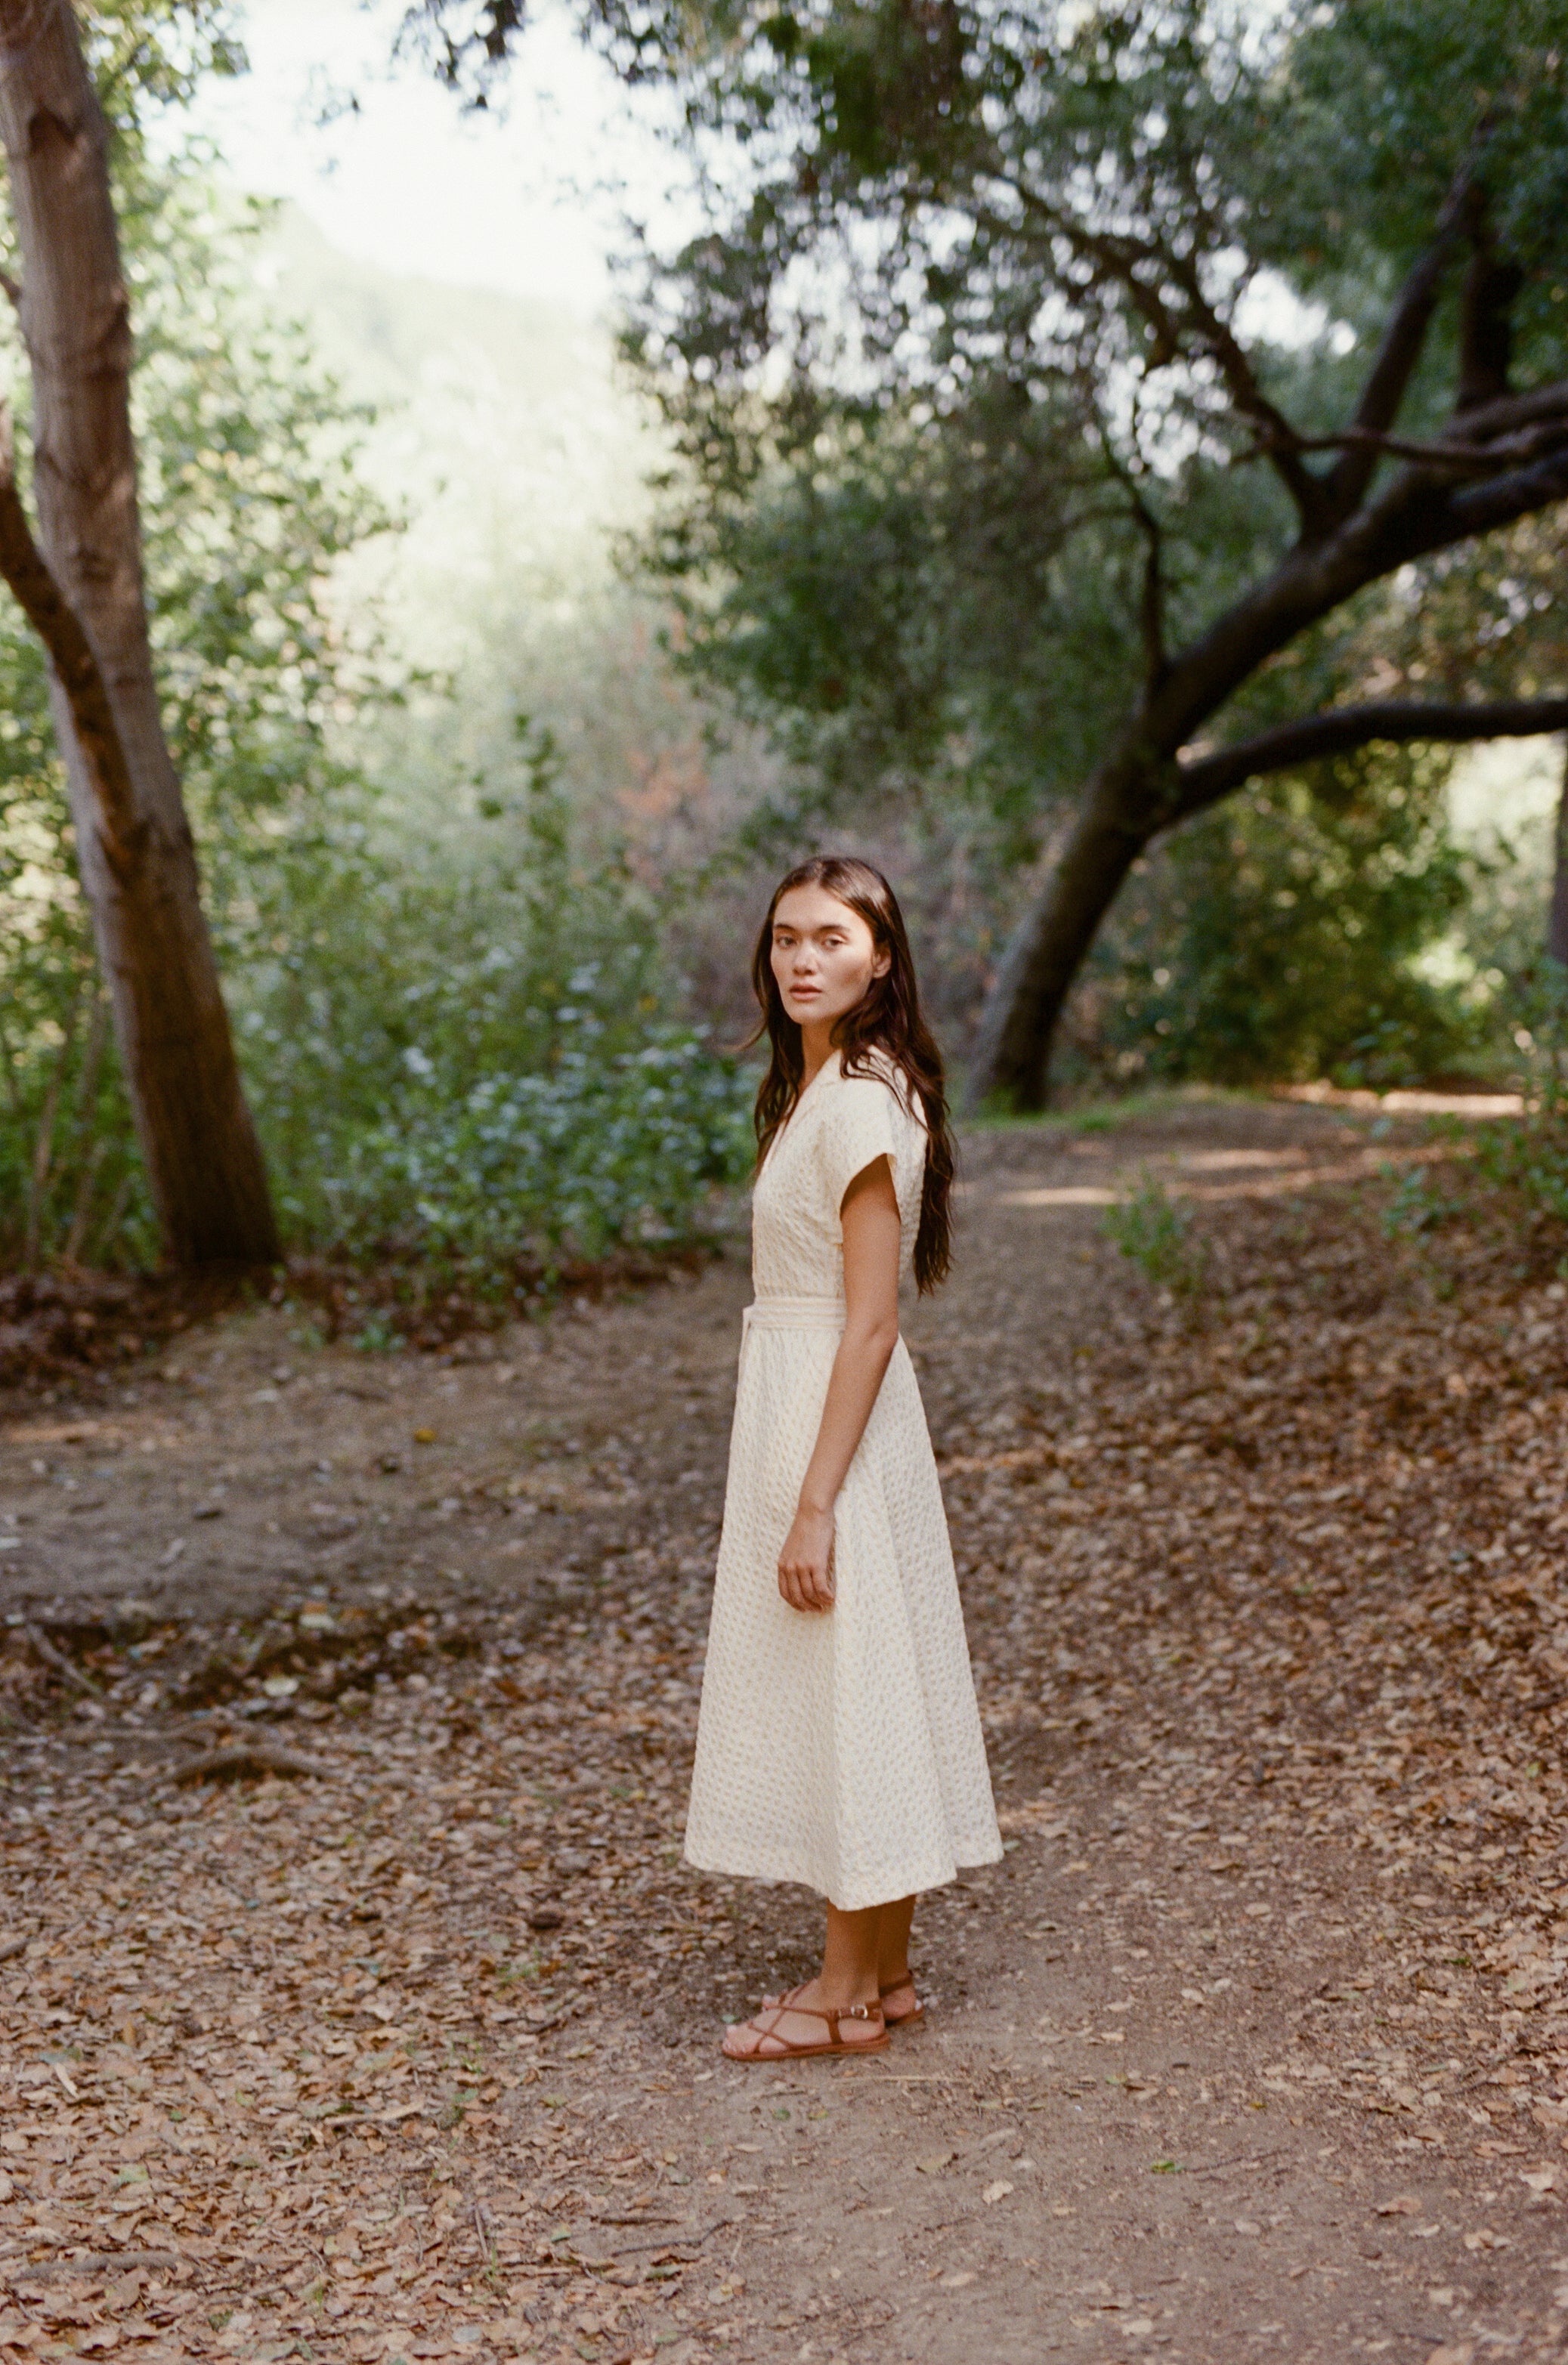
[1156, 1234]
[1290, 935]
[1530, 1156]
[474, 1064]
[458, 1051]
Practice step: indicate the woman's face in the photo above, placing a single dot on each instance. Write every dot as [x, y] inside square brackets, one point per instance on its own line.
[824, 956]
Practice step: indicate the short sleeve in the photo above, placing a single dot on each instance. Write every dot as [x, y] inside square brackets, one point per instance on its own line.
[861, 1122]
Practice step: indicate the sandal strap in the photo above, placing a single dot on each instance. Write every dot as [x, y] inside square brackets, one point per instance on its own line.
[867, 2014]
[830, 2018]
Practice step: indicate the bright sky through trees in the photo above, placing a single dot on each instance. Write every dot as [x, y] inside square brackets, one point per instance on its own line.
[515, 201]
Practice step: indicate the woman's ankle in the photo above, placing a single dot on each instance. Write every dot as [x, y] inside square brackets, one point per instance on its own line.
[842, 1993]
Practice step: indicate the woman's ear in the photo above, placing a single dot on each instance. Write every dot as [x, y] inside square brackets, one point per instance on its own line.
[881, 961]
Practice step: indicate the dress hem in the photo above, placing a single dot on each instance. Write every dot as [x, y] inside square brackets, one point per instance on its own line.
[968, 1858]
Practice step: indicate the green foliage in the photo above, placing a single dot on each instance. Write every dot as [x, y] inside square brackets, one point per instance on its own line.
[1414, 1207]
[1291, 934]
[1531, 1156]
[1381, 104]
[1156, 1233]
[894, 596]
[70, 1179]
[248, 466]
[459, 1050]
[468, 1063]
[998, 265]
[991, 311]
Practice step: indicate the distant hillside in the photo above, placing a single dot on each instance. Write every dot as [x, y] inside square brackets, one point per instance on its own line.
[502, 433]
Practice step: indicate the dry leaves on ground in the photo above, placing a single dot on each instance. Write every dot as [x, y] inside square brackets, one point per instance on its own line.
[297, 2062]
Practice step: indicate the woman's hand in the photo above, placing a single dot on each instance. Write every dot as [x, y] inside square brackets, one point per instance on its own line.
[805, 1564]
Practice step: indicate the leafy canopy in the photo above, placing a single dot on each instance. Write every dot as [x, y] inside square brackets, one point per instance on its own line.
[989, 372]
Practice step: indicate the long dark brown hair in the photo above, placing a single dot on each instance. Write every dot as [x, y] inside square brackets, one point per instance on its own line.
[888, 1021]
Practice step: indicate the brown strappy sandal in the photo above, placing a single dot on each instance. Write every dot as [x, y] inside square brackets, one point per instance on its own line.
[893, 2019]
[903, 2019]
[786, 2050]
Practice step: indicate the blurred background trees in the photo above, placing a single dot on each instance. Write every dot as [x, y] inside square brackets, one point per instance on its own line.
[499, 685]
[1069, 398]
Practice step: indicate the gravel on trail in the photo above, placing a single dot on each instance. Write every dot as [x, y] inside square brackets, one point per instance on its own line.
[357, 2002]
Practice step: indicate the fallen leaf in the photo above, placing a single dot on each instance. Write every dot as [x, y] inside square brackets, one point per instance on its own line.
[997, 2191]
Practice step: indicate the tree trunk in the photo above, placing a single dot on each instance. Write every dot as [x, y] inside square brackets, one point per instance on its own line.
[1557, 921]
[1120, 813]
[204, 1163]
[1134, 797]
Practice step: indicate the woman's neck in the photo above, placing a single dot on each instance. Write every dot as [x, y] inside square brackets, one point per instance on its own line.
[816, 1048]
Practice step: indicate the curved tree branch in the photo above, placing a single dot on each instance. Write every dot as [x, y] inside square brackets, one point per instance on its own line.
[1278, 439]
[1117, 257]
[1514, 410]
[1491, 289]
[1397, 354]
[1460, 455]
[1204, 779]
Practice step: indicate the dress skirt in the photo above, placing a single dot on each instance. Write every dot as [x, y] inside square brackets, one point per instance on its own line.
[842, 1749]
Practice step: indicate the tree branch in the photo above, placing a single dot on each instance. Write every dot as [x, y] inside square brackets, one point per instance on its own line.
[1444, 452]
[1204, 779]
[70, 657]
[1151, 600]
[1479, 509]
[1491, 289]
[1152, 605]
[1514, 410]
[1279, 440]
[1397, 355]
[1117, 258]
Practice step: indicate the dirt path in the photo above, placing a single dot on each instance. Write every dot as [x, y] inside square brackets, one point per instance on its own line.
[1258, 2042]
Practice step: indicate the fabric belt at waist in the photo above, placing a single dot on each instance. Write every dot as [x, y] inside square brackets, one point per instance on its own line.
[794, 1314]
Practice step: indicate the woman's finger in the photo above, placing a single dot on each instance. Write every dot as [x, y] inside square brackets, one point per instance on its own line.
[803, 1586]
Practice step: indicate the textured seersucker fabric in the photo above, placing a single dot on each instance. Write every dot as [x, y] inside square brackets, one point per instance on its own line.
[843, 1751]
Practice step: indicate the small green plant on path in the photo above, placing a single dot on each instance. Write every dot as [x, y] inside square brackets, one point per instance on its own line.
[1156, 1232]
[1530, 1155]
[1414, 1207]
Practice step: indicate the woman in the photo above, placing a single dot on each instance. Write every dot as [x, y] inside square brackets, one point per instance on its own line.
[839, 1744]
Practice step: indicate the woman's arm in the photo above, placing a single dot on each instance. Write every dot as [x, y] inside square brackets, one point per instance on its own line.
[872, 1239]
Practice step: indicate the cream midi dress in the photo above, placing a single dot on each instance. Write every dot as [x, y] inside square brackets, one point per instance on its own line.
[841, 1749]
